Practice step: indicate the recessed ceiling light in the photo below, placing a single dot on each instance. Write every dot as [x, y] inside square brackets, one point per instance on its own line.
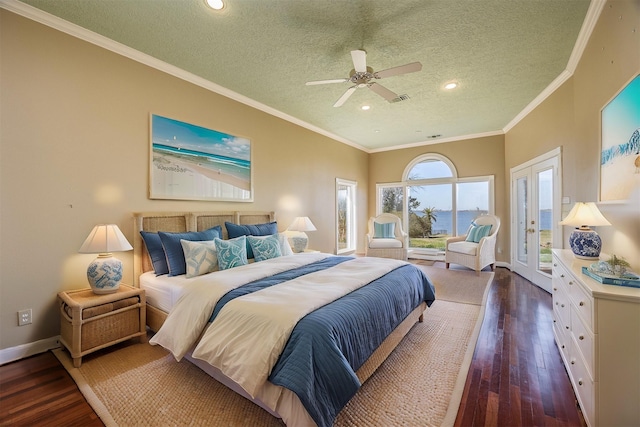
[215, 4]
[366, 107]
[451, 85]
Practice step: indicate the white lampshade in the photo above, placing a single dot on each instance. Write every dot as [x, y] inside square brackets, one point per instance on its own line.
[302, 223]
[584, 215]
[105, 272]
[585, 242]
[298, 239]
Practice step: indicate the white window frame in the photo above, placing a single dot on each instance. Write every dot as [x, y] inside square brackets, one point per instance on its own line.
[351, 224]
[454, 180]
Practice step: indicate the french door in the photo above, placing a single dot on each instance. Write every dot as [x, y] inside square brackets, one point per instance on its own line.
[535, 213]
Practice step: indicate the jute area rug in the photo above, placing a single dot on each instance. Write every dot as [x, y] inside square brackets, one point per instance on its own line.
[420, 384]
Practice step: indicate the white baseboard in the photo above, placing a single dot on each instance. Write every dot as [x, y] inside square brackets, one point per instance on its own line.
[25, 350]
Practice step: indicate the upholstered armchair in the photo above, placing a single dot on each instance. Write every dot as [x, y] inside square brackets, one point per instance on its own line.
[475, 249]
[385, 238]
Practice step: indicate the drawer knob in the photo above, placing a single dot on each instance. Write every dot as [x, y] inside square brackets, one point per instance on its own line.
[571, 282]
[573, 361]
[555, 289]
[581, 337]
[555, 265]
[562, 275]
[567, 327]
[581, 303]
[562, 305]
[579, 382]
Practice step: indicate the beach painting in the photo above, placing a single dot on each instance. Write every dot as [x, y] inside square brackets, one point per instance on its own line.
[190, 162]
[620, 155]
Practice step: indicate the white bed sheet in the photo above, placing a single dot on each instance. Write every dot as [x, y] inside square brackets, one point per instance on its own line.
[163, 291]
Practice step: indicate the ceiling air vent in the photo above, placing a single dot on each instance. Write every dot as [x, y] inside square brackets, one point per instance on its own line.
[400, 98]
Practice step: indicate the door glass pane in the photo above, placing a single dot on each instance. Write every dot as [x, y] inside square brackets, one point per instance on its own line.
[545, 215]
[472, 200]
[430, 216]
[521, 219]
[343, 214]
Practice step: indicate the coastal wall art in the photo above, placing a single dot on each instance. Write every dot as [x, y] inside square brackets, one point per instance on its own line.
[190, 162]
[620, 155]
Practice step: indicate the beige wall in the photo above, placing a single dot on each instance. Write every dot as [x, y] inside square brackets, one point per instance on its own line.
[471, 157]
[74, 153]
[570, 119]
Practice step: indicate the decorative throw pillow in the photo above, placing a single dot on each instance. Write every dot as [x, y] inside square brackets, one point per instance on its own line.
[285, 247]
[173, 248]
[477, 232]
[236, 230]
[200, 257]
[156, 252]
[264, 247]
[385, 230]
[231, 253]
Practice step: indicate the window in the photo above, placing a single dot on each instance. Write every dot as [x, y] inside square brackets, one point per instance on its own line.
[346, 215]
[434, 202]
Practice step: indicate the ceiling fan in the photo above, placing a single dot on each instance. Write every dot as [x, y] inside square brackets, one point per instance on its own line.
[362, 75]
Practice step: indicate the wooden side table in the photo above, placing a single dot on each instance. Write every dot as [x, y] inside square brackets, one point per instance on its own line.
[90, 322]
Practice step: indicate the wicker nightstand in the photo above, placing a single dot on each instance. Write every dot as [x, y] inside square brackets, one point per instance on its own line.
[89, 322]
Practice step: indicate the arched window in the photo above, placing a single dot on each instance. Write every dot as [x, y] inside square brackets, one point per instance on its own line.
[434, 203]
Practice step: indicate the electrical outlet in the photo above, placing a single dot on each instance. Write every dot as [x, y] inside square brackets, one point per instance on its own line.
[24, 317]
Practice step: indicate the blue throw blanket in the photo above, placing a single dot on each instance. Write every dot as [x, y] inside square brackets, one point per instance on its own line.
[328, 345]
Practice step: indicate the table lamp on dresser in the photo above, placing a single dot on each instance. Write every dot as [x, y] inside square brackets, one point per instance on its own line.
[585, 242]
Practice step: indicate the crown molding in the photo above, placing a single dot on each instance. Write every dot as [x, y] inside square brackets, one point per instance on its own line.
[81, 33]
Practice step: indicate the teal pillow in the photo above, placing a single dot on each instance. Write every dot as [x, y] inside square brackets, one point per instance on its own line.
[385, 230]
[201, 257]
[477, 232]
[265, 247]
[231, 253]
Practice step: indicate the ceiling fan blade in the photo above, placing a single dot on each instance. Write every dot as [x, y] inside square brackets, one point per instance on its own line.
[383, 91]
[345, 96]
[359, 58]
[322, 82]
[395, 71]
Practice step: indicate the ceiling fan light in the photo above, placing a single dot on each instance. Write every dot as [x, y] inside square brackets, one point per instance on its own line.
[451, 85]
[366, 107]
[215, 4]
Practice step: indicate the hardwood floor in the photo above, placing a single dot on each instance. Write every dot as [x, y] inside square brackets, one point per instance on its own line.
[516, 377]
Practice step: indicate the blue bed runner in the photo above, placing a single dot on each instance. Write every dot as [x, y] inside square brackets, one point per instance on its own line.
[328, 345]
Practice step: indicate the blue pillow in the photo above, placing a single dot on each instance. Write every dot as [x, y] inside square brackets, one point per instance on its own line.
[173, 248]
[231, 253]
[236, 230]
[156, 252]
[385, 230]
[265, 247]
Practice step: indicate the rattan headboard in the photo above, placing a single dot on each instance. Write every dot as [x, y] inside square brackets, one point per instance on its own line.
[180, 222]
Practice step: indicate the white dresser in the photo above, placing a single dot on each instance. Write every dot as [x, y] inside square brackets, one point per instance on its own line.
[597, 329]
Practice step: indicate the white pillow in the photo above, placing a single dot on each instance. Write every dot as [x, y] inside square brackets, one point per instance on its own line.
[201, 257]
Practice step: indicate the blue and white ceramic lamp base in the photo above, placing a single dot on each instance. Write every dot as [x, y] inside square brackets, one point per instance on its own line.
[585, 244]
[104, 274]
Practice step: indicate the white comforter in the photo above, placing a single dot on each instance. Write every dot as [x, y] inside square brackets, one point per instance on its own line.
[190, 315]
[250, 332]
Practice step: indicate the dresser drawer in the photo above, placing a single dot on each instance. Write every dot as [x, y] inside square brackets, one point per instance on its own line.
[563, 340]
[583, 303]
[562, 310]
[583, 386]
[582, 340]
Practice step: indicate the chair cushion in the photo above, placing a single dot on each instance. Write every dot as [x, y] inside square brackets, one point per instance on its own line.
[386, 230]
[468, 248]
[380, 243]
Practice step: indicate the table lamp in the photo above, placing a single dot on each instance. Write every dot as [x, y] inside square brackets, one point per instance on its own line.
[585, 242]
[105, 272]
[299, 240]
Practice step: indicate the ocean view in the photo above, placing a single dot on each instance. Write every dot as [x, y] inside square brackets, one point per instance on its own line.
[444, 220]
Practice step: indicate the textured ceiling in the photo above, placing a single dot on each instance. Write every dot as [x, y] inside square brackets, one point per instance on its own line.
[503, 54]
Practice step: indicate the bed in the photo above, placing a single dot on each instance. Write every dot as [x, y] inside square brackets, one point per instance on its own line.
[349, 313]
